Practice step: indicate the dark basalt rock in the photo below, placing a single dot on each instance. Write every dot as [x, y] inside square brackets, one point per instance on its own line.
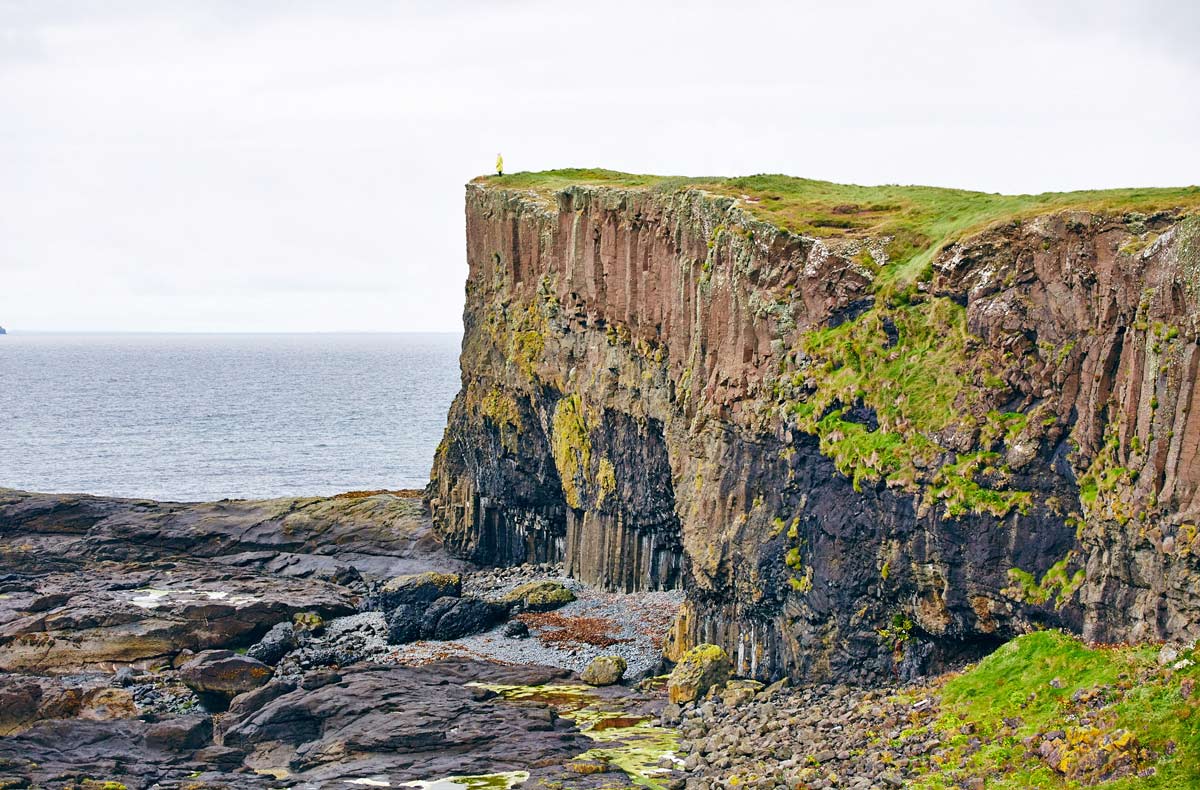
[275, 644]
[405, 623]
[445, 618]
[418, 589]
[405, 722]
[452, 618]
[515, 629]
[180, 734]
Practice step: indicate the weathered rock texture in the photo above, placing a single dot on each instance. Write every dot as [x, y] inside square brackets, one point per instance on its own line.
[87, 582]
[848, 480]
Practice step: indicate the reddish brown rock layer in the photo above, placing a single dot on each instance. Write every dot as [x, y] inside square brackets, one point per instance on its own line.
[623, 364]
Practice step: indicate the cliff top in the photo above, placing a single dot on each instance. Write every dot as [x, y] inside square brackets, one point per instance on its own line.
[919, 220]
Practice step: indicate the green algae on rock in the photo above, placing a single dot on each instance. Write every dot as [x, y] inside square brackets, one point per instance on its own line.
[630, 743]
[500, 781]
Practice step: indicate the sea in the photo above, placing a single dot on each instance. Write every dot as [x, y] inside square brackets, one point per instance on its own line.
[198, 417]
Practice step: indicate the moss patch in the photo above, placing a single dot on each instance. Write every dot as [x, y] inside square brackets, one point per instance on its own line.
[917, 370]
[539, 596]
[629, 743]
[1057, 584]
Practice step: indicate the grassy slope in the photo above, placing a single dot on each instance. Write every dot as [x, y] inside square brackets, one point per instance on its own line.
[921, 219]
[1111, 703]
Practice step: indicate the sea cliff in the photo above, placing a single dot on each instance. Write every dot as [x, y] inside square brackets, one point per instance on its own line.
[868, 430]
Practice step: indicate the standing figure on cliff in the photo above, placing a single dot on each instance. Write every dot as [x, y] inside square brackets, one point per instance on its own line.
[499, 165]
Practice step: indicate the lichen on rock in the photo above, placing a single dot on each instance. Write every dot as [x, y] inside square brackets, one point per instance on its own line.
[698, 670]
[604, 671]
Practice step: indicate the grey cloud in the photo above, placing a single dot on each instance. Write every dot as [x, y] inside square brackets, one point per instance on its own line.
[236, 165]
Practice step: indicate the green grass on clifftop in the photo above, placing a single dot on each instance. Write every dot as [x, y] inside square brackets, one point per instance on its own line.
[919, 219]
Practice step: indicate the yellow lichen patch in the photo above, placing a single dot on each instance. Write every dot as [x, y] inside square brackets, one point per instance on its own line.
[606, 481]
[572, 447]
[519, 333]
[501, 408]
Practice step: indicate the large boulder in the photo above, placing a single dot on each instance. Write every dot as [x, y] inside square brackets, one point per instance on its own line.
[219, 675]
[453, 618]
[405, 623]
[416, 589]
[275, 644]
[604, 671]
[181, 733]
[538, 596]
[698, 670]
[445, 618]
[26, 700]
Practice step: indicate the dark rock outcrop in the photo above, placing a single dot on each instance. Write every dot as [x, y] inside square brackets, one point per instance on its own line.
[403, 723]
[418, 589]
[308, 537]
[275, 644]
[91, 581]
[660, 390]
[445, 618]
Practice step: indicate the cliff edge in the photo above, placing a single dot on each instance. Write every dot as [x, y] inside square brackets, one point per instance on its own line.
[868, 430]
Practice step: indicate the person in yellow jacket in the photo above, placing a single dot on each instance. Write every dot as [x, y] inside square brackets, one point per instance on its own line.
[499, 165]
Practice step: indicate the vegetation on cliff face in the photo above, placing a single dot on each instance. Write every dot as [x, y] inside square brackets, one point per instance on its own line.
[918, 220]
[764, 336]
[572, 448]
[1047, 711]
[878, 390]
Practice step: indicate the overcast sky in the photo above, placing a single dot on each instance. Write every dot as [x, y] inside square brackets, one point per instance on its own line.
[234, 165]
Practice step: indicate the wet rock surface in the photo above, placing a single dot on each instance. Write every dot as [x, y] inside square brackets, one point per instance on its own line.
[86, 582]
[156, 645]
[141, 613]
[401, 722]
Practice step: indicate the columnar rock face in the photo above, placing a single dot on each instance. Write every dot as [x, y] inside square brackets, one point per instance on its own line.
[850, 479]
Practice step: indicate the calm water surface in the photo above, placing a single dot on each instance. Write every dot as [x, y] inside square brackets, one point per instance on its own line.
[196, 417]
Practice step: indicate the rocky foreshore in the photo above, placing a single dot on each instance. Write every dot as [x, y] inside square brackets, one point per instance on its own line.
[320, 643]
[297, 643]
